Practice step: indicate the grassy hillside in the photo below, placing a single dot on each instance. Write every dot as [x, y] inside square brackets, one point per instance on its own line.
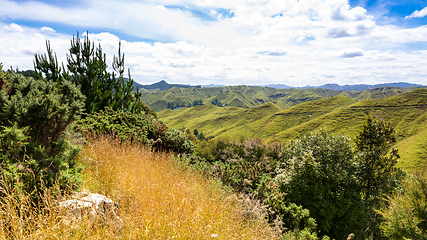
[263, 121]
[405, 111]
[251, 96]
[158, 198]
[214, 121]
[339, 114]
[414, 151]
[377, 93]
[237, 96]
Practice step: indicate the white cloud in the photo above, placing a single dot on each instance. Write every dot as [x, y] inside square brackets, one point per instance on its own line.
[276, 41]
[418, 14]
[47, 29]
[19, 44]
[14, 28]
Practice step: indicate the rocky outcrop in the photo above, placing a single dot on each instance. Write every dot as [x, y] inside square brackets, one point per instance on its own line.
[96, 208]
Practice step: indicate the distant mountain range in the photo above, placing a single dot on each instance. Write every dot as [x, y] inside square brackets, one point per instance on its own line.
[356, 87]
[163, 85]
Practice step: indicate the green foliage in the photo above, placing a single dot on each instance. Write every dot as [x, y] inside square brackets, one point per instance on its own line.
[239, 164]
[297, 221]
[197, 102]
[2, 76]
[88, 67]
[173, 105]
[34, 116]
[405, 214]
[176, 141]
[46, 67]
[248, 166]
[135, 127]
[176, 104]
[376, 165]
[216, 102]
[317, 172]
[200, 136]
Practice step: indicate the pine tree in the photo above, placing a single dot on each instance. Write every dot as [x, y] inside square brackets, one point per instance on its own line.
[102, 89]
[46, 67]
[89, 70]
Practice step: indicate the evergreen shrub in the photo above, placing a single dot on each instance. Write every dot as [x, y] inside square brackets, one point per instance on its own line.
[34, 114]
[141, 127]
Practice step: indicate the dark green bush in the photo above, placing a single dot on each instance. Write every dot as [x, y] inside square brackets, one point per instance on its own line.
[135, 127]
[33, 118]
[318, 171]
[239, 164]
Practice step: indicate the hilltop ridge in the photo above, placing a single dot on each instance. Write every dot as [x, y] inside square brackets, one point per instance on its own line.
[251, 96]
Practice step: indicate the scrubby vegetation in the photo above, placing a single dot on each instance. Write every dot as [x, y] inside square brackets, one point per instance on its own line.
[34, 115]
[159, 199]
[140, 128]
[405, 212]
[318, 185]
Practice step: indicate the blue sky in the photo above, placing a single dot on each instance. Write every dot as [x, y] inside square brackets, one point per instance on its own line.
[232, 42]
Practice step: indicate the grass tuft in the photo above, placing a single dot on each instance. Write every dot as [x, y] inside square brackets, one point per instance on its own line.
[158, 198]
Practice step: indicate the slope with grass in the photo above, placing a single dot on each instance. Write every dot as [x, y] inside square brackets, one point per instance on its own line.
[262, 121]
[251, 96]
[414, 151]
[406, 112]
[214, 120]
[159, 199]
[238, 96]
[377, 93]
[338, 114]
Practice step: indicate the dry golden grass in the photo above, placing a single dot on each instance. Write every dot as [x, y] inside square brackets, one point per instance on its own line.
[158, 198]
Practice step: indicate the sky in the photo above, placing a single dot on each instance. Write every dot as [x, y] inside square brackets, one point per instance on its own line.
[230, 42]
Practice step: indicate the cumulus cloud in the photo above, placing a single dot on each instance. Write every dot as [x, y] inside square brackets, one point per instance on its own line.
[47, 29]
[230, 42]
[14, 28]
[19, 44]
[418, 14]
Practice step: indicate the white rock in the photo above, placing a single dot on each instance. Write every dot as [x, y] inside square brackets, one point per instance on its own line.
[98, 208]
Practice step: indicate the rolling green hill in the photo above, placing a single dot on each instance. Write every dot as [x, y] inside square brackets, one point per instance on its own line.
[251, 96]
[214, 120]
[338, 114]
[237, 96]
